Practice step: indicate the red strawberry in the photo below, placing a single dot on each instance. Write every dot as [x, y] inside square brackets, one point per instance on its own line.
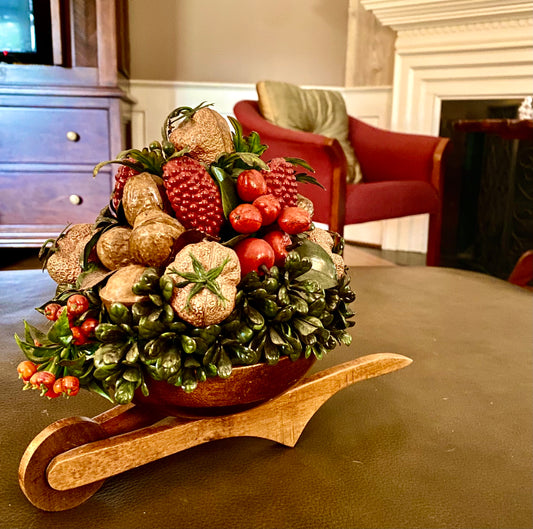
[281, 182]
[194, 196]
[121, 177]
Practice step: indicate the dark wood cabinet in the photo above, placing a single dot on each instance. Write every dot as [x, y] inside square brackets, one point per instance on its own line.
[58, 121]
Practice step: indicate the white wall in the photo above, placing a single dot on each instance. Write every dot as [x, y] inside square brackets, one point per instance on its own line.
[236, 41]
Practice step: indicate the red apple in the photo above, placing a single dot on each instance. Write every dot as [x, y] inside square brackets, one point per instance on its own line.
[269, 207]
[294, 220]
[253, 253]
[245, 218]
[250, 185]
[279, 241]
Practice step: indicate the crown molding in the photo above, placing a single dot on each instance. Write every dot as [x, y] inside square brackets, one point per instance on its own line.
[411, 14]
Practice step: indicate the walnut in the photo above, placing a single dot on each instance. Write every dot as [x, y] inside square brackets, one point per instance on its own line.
[64, 263]
[113, 249]
[205, 276]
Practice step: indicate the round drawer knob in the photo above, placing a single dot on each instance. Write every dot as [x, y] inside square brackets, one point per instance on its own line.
[72, 136]
[75, 200]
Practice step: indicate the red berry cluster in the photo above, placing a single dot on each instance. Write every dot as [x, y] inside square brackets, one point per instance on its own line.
[281, 181]
[46, 381]
[261, 208]
[193, 195]
[121, 177]
[44, 376]
[77, 305]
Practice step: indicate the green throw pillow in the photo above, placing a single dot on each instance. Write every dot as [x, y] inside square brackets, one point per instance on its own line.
[309, 110]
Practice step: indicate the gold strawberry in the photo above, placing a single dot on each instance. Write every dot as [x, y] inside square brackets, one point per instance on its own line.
[204, 132]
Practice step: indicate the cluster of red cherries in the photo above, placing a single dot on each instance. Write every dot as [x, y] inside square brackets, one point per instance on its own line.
[263, 209]
[44, 376]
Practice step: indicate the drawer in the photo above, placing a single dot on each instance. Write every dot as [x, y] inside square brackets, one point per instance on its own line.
[54, 135]
[48, 198]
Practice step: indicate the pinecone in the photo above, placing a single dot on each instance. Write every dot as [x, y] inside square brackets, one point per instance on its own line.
[281, 182]
[194, 196]
[121, 177]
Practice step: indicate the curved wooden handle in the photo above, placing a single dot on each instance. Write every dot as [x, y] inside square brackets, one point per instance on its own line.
[281, 419]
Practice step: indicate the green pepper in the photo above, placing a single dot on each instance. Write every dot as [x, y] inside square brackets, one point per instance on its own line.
[188, 380]
[110, 353]
[124, 391]
[270, 285]
[224, 367]
[150, 327]
[168, 364]
[285, 314]
[245, 355]
[332, 300]
[271, 353]
[141, 309]
[103, 372]
[283, 295]
[156, 299]
[188, 344]
[167, 316]
[299, 304]
[147, 283]
[119, 313]
[133, 353]
[244, 334]
[168, 148]
[268, 307]
[166, 285]
[317, 307]
[255, 318]
[109, 333]
[201, 374]
[132, 374]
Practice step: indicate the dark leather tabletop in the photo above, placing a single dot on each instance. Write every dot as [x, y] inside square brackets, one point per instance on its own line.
[444, 443]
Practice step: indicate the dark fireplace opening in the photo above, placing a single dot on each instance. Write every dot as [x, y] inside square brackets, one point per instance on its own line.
[488, 186]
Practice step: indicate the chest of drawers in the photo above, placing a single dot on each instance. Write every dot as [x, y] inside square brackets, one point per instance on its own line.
[49, 146]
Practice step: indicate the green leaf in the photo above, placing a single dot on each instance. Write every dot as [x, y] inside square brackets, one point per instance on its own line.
[308, 179]
[31, 333]
[36, 354]
[322, 270]
[224, 367]
[60, 331]
[124, 391]
[300, 162]
[303, 327]
[271, 353]
[228, 193]
[253, 160]
[95, 387]
[276, 337]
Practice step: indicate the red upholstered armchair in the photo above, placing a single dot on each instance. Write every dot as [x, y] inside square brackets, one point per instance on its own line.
[402, 173]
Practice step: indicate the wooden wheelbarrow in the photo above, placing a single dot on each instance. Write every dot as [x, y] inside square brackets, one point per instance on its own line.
[69, 460]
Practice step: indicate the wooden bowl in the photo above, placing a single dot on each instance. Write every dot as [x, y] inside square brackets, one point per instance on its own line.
[247, 386]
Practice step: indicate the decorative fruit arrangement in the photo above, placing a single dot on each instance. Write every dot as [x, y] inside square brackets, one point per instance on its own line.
[205, 258]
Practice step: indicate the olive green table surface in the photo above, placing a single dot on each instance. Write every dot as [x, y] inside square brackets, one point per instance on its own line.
[446, 442]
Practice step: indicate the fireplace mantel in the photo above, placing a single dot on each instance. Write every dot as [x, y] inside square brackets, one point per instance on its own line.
[455, 49]
[410, 14]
